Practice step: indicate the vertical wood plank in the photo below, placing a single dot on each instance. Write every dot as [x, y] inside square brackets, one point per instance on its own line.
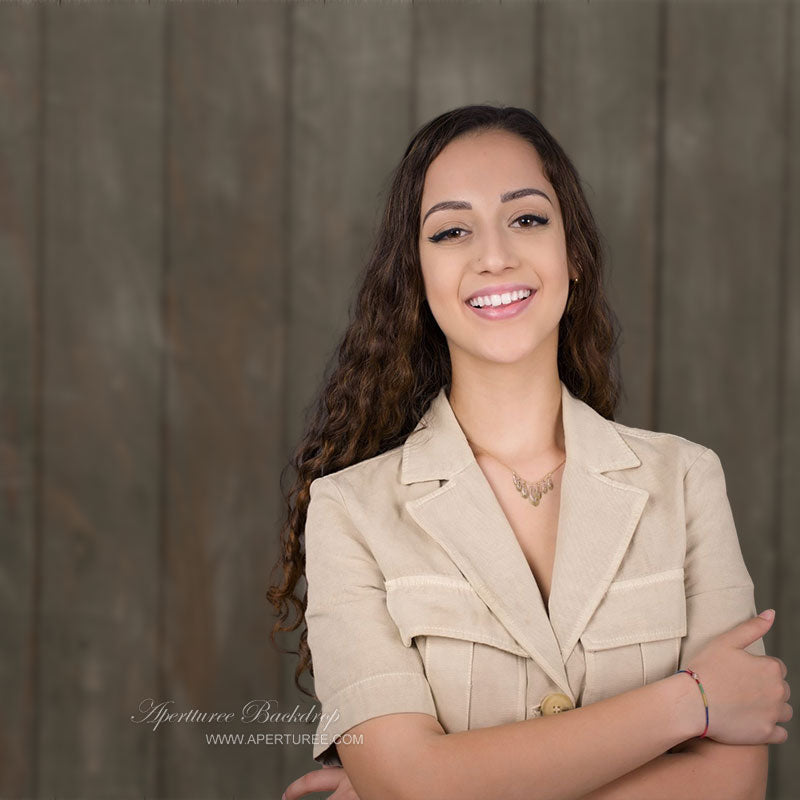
[784, 765]
[602, 104]
[351, 84]
[719, 365]
[100, 449]
[350, 122]
[473, 53]
[20, 128]
[226, 319]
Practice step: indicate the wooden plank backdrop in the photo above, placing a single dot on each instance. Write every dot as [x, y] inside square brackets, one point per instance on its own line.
[100, 350]
[20, 394]
[224, 290]
[188, 192]
[781, 544]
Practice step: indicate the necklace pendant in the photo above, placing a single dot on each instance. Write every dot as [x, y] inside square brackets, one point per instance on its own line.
[533, 491]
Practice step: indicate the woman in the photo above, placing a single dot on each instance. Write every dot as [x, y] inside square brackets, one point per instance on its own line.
[484, 547]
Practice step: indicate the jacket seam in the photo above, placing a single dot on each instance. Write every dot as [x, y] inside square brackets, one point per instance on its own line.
[700, 455]
[352, 518]
[721, 589]
[373, 678]
[604, 643]
[341, 497]
[465, 635]
[628, 584]
[443, 581]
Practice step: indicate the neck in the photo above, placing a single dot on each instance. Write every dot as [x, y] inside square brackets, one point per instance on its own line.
[516, 419]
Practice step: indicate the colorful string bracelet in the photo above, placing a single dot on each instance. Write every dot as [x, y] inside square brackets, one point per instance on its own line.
[692, 674]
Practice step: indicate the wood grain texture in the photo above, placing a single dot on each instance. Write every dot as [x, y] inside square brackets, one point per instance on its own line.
[225, 321]
[785, 596]
[102, 229]
[350, 113]
[473, 53]
[20, 140]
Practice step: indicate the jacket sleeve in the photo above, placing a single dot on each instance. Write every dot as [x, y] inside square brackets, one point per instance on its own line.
[361, 667]
[719, 589]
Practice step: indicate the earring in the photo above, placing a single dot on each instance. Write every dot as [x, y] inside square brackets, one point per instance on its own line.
[574, 282]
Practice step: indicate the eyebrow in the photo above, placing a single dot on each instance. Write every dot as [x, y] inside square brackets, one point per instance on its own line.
[504, 198]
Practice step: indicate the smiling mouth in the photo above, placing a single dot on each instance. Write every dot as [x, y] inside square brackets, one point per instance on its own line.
[498, 300]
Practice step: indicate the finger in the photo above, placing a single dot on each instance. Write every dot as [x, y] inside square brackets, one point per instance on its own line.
[778, 736]
[747, 632]
[344, 792]
[319, 780]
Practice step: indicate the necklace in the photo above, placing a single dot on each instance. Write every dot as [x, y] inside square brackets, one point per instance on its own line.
[530, 491]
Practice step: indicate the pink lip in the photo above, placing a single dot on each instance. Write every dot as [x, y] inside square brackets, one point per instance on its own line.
[498, 289]
[503, 312]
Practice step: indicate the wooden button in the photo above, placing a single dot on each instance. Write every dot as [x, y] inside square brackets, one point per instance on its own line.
[556, 703]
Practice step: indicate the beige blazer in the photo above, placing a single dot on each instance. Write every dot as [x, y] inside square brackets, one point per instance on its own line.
[421, 599]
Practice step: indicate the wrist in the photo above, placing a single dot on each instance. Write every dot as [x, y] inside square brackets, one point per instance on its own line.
[683, 697]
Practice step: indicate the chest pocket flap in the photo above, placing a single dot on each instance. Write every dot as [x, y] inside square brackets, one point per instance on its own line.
[438, 605]
[636, 610]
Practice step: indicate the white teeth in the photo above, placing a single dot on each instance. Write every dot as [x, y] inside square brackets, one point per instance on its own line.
[499, 299]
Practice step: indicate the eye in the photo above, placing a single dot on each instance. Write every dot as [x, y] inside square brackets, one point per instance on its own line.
[445, 235]
[541, 219]
[533, 221]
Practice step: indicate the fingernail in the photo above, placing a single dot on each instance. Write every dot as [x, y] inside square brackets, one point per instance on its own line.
[768, 614]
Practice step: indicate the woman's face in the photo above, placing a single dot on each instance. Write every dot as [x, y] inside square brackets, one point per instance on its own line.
[498, 230]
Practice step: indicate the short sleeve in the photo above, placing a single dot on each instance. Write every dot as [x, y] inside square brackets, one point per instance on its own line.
[719, 589]
[361, 667]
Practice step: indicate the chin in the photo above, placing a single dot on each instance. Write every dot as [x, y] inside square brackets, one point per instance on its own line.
[505, 348]
[505, 355]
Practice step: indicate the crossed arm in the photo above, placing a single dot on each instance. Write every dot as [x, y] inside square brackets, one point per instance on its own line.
[693, 769]
[699, 768]
[621, 744]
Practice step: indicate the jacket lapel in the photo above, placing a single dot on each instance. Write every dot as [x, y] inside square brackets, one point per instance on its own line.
[597, 518]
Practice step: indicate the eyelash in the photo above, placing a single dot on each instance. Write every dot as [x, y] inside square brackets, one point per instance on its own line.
[540, 218]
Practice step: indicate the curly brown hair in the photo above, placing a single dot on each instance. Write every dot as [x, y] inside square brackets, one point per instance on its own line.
[393, 358]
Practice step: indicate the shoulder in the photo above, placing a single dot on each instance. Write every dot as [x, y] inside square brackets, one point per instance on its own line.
[377, 475]
[662, 449]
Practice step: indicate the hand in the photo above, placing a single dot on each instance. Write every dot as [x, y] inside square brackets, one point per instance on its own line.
[327, 779]
[747, 695]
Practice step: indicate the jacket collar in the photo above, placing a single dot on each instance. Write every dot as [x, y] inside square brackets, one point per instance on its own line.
[597, 517]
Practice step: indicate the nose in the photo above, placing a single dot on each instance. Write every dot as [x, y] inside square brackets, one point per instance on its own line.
[495, 250]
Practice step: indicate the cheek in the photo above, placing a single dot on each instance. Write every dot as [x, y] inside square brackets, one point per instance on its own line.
[441, 290]
[443, 312]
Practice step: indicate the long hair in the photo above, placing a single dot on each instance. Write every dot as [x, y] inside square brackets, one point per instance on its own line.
[393, 358]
